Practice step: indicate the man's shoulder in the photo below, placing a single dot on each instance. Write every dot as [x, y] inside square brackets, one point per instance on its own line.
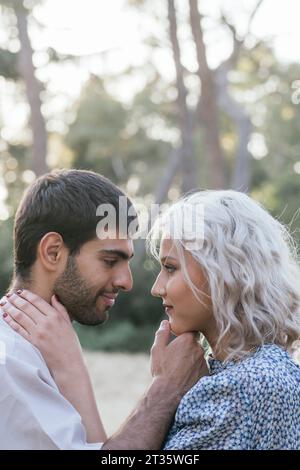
[15, 351]
[7, 338]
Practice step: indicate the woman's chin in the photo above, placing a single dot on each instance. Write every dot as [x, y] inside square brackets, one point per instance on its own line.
[178, 330]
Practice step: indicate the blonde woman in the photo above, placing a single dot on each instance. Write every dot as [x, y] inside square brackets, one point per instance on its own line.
[238, 284]
[229, 272]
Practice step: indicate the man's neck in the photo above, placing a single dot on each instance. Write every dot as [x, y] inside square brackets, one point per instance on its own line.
[41, 290]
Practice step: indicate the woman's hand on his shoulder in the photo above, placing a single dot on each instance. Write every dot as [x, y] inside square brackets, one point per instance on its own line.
[47, 327]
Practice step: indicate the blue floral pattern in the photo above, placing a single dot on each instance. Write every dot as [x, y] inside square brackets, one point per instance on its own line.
[250, 404]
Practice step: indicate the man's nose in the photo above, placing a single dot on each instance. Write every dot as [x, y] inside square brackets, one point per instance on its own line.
[124, 280]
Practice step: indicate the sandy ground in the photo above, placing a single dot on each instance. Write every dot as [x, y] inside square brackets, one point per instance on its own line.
[119, 381]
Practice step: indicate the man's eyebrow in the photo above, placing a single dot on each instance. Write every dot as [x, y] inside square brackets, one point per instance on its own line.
[120, 253]
[163, 259]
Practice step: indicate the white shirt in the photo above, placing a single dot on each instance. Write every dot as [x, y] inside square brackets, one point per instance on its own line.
[33, 413]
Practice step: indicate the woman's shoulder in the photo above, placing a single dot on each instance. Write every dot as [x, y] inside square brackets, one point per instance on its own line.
[256, 399]
[269, 366]
[237, 387]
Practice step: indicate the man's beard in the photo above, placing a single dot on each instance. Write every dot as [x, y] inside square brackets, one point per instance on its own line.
[78, 297]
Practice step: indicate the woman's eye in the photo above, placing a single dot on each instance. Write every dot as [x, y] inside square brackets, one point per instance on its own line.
[169, 269]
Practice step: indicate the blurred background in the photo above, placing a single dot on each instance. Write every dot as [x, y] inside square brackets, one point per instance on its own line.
[161, 96]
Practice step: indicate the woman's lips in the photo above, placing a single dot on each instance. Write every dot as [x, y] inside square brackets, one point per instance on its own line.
[168, 308]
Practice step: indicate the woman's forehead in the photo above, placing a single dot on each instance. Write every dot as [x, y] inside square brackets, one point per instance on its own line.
[168, 247]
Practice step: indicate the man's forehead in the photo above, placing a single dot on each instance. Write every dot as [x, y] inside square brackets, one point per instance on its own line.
[115, 244]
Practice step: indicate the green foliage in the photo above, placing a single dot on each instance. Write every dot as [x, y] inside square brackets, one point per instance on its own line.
[6, 249]
[27, 5]
[8, 65]
[282, 199]
[121, 337]
[100, 119]
[114, 140]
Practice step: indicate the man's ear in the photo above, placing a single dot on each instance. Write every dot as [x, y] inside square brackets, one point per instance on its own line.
[52, 252]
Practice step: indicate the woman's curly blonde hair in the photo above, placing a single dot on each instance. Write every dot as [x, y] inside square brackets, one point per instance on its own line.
[250, 262]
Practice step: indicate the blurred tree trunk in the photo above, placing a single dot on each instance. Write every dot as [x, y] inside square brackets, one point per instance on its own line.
[173, 165]
[215, 96]
[33, 89]
[209, 102]
[188, 163]
[241, 178]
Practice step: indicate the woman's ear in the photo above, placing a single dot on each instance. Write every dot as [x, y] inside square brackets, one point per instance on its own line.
[52, 252]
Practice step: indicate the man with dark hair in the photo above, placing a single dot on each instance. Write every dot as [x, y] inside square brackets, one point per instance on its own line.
[57, 220]
[58, 251]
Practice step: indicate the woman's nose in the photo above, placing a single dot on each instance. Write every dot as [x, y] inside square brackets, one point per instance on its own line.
[157, 288]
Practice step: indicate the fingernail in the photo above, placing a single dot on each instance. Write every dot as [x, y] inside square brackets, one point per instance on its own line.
[9, 294]
[163, 325]
[2, 302]
[4, 315]
[19, 291]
